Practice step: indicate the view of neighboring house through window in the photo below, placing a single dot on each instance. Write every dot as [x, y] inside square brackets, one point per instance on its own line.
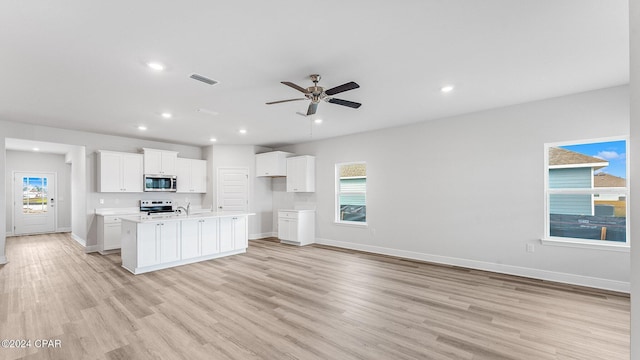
[351, 193]
[587, 191]
[34, 195]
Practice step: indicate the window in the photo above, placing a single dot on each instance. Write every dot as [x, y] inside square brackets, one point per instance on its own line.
[35, 195]
[587, 192]
[351, 193]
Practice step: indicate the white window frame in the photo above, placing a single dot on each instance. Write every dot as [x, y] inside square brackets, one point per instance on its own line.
[586, 243]
[336, 207]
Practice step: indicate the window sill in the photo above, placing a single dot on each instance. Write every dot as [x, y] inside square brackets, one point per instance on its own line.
[586, 244]
[351, 224]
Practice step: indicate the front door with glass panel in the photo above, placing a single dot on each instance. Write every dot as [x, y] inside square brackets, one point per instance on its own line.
[34, 203]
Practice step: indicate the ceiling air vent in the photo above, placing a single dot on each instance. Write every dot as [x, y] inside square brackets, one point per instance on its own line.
[203, 79]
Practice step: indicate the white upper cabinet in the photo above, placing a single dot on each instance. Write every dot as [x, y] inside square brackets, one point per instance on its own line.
[192, 175]
[119, 172]
[273, 163]
[160, 162]
[301, 174]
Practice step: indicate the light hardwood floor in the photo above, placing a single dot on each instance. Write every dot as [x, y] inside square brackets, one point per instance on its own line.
[284, 302]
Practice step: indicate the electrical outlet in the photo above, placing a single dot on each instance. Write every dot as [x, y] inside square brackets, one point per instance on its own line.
[531, 248]
[101, 201]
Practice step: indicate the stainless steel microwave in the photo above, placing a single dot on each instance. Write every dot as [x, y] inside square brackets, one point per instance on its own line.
[160, 182]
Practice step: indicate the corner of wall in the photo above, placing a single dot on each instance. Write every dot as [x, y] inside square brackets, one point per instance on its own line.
[79, 240]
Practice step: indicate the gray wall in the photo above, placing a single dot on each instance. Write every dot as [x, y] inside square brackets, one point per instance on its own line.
[440, 190]
[38, 162]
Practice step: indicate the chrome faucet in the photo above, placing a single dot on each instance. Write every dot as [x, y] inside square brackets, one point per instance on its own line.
[187, 210]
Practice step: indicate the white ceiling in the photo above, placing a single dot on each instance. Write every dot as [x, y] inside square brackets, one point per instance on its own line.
[41, 146]
[81, 64]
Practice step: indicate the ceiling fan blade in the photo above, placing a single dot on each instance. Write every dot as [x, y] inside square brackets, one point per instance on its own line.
[350, 104]
[344, 87]
[312, 108]
[281, 101]
[299, 88]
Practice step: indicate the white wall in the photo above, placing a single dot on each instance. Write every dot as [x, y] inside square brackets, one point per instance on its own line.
[468, 190]
[220, 156]
[39, 162]
[634, 8]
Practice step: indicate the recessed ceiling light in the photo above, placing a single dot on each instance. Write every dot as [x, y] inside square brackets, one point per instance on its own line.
[166, 115]
[446, 89]
[155, 66]
[243, 131]
[318, 121]
[142, 127]
[213, 139]
[36, 149]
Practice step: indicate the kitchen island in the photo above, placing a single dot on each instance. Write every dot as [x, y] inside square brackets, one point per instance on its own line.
[157, 242]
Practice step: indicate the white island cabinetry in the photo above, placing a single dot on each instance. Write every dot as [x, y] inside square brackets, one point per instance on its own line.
[199, 237]
[233, 233]
[150, 243]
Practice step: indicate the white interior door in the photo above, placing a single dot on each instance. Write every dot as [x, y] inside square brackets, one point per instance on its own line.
[233, 189]
[34, 203]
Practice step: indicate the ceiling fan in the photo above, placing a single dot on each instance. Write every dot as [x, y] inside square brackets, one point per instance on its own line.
[316, 93]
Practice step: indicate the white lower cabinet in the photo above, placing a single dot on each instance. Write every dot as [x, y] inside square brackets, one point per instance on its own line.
[154, 245]
[109, 229]
[199, 238]
[296, 227]
[158, 242]
[233, 233]
[169, 238]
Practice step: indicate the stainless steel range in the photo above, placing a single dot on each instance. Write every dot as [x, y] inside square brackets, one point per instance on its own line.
[156, 206]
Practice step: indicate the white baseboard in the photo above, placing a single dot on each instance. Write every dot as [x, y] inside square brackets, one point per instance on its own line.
[83, 242]
[573, 279]
[79, 240]
[63, 229]
[262, 236]
[3, 260]
[91, 249]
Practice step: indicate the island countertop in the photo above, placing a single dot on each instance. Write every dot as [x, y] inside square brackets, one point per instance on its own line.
[178, 217]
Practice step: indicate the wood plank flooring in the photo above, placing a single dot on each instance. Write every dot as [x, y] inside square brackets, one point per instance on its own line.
[284, 302]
